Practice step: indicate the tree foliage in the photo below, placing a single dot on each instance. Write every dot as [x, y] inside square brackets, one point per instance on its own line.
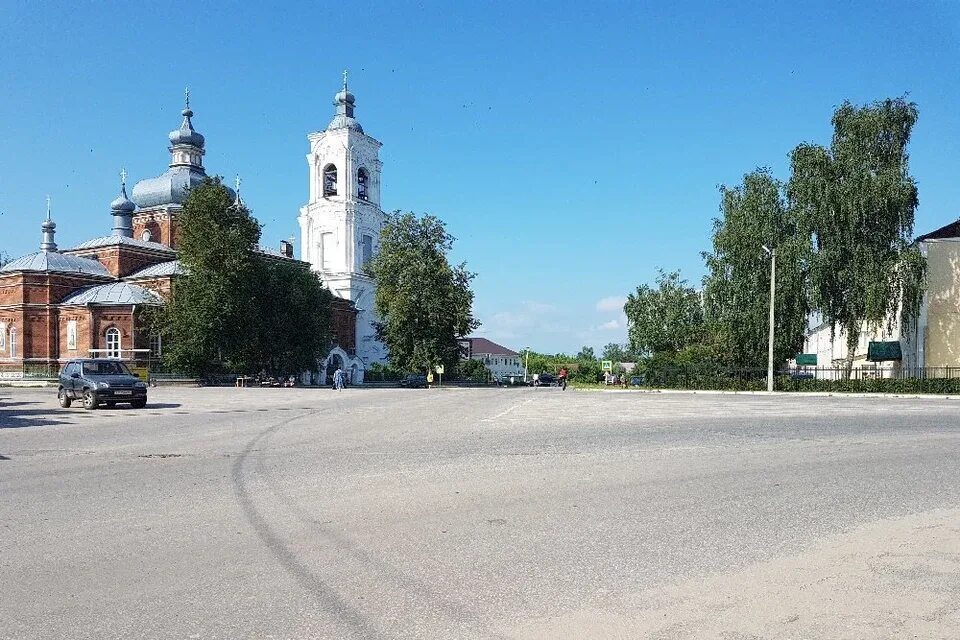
[237, 309]
[473, 370]
[666, 318]
[424, 303]
[737, 286]
[859, 199]
[290, 329]
[586, 353]
[209, 311]
[616, 352]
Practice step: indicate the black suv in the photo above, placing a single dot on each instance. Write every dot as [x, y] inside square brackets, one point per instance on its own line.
[545, 380]
[414, 381]
[97, 381]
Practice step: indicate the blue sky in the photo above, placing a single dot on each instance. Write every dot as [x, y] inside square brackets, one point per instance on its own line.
[572, 148]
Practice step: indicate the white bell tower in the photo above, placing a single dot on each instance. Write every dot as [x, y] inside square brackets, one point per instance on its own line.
[340, 224]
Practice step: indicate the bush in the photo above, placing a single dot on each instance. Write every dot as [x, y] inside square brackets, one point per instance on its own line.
[873, 385]
[472, 370]
[377, 372]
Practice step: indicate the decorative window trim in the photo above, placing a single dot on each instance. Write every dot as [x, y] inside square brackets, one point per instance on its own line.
[71, 335]
[363, 184]
[110, 350]
[158, 352]
[329, 179]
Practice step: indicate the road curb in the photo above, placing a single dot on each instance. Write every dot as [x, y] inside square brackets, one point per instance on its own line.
[807, 394]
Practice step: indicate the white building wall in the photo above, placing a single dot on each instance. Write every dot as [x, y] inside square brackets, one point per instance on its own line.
[500, 364]
[343, 220]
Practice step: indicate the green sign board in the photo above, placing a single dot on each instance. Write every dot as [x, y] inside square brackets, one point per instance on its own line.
[884, 351]
[807, 359]
[607, 365]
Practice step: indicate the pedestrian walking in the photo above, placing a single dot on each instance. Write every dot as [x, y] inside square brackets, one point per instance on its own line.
[338, 379]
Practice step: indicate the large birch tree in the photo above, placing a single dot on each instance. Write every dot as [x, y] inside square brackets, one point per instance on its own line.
[858, 199]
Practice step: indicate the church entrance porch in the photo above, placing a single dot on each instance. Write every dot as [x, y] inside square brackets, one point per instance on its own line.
[352, 366]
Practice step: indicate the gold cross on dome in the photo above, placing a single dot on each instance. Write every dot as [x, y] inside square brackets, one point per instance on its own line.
[123, 177]
[344, 80]
[238, 183]
[186, 96]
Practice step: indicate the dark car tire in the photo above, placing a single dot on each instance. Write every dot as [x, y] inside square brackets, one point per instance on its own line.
[63, 398]
[90, 400]
[138, 404]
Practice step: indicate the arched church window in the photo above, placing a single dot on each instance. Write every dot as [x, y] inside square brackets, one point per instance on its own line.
[13, 342]
[113, 342]
[330, 180]
[363, 180]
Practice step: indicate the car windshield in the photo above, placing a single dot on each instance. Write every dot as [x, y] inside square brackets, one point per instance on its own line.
[105, 368]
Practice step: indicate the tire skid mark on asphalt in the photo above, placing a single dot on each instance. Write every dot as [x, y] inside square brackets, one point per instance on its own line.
[303, 574]
[384, 571]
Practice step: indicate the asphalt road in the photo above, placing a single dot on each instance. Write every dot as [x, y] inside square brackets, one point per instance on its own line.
[464, 513]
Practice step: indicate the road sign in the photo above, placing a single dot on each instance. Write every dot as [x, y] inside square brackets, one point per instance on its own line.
[607, 365]
[439, 368]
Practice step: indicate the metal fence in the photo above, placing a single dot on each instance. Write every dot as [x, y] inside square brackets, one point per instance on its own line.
[28, 371]
[871, 379]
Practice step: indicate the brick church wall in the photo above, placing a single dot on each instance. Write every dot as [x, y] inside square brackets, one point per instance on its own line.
[161, 223]
[343, 322]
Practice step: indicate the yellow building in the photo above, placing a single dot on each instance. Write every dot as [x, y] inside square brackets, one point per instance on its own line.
[932, 342]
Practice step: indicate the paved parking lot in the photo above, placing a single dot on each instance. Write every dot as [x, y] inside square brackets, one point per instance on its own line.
[479, 513]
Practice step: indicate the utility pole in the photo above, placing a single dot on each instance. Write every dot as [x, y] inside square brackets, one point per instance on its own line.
[773, 293]
[526, 362]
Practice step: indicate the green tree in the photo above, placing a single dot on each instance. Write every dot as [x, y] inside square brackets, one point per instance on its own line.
[424, 303]
[290, 330]
[858, 201]
[586, 353]
[473, 370]
[615, 352]
[666, 318]
[737, 286]
[207, 320]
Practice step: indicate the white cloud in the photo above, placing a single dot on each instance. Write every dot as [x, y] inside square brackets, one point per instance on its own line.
[611, 303]
[530, 319]
[613, 325]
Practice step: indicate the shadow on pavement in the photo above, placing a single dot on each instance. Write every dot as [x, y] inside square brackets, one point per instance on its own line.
[14, 404]
[28, 418]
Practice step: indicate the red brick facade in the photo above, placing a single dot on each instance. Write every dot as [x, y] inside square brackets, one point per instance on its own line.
[343, 322]
[121, 260]
[161, 222]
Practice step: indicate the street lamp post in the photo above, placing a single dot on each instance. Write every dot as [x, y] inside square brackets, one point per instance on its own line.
[773, 293]
[526, 362]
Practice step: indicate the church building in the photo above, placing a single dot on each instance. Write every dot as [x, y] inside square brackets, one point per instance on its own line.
[57, 304]
[341, 222]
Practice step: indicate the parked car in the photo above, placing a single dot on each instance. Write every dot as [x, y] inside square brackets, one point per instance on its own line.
[97, 381]
[414, 381]
[636, 381]
[515, 380]
[546, 380]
